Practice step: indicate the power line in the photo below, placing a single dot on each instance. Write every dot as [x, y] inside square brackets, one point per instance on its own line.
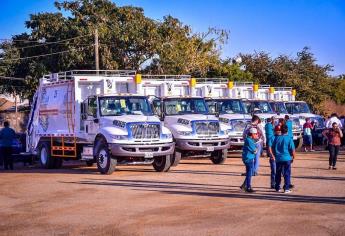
[52, 42]
[42, 55]
[11, 78]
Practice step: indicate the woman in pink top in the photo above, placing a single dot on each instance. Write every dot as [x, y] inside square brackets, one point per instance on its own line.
[333, 136]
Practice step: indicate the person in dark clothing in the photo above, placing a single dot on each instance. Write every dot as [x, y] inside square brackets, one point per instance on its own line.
[7, 135]
[333, 136]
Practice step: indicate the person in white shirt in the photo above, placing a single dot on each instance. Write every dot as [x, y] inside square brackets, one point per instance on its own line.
[334, 119]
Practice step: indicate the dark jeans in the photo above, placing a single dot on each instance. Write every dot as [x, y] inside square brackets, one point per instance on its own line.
[333, 154]
[249, 173]
[283, 167]
[273, 172]
[7, 156]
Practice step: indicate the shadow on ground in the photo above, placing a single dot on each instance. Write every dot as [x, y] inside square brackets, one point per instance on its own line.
[209, 190]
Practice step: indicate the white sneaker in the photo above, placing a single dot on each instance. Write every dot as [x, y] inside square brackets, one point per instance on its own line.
[288, 191]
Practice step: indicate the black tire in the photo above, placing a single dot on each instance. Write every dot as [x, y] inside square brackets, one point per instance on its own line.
[219, 156]
[105, 163]
[176, 158]
[90, 163]
[162, 163]
[46, 160]
[298, 144]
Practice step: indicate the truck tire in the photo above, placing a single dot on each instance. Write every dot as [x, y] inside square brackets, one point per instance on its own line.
[105, 163]
[46, 160]
[219, 156]
[298, 144]
[162, 163]
[176, 158]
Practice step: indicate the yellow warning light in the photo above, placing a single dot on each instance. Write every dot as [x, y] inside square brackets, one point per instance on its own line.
[192, 82]
[271, 89]
[256, 87]
[137, 78]
[294, 92]
[230, 84]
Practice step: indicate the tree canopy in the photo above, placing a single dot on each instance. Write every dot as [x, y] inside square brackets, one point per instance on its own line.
[128, 39]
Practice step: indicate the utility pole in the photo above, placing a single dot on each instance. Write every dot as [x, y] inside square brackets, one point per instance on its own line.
[96, 51]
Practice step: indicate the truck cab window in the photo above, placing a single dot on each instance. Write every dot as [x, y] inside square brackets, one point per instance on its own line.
[157, 107]
[92, 106]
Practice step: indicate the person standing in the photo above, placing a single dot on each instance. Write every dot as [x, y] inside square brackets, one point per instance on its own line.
[269, 130]
[333, 136]
[7, 135]
[256, 123]
[283, 152]
[248, 156]
[288, 123]
[273, 165]
[307, 135]
[332, 119]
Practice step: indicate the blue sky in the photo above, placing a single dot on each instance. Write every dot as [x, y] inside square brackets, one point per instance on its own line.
[277, 27]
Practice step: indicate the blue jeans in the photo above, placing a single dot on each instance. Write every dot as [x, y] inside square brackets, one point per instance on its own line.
[333, 154]
[273, 172]
[283, 167]
[257, 157]
[249, 173]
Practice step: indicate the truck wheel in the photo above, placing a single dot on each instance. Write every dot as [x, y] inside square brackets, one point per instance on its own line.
[176, 158]
[47, 161]
[219, 156]
[90, 163]
[162, 163]
[105, 164]
[298, 144]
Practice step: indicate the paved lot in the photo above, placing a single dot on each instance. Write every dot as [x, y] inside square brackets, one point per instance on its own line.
[195, 198]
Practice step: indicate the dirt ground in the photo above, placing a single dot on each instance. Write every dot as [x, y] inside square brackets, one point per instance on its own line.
[194, 198]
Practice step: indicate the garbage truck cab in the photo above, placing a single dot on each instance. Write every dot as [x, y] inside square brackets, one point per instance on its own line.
[96, 116]
[195, 132]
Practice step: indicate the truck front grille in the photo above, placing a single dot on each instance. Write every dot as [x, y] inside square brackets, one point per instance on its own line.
[207, 127]
[145, 131]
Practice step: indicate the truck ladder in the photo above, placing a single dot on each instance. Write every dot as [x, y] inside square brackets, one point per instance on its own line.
[70, 107]
[65, 147]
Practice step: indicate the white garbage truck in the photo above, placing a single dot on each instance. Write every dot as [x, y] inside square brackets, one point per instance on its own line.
[223, 98]
[196, 132]
[238, 101]
[96, 116]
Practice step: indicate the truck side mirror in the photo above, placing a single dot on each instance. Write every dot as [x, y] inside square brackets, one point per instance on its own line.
[216, 109]
[162, 116]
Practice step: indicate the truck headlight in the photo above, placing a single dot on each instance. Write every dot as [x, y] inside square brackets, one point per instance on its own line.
[167, 136]
[185, 133]
[227, 131]
[120, 137]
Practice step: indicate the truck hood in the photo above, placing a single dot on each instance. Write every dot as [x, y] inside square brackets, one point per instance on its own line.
[130, 118]
[236, 116]
[193, 117]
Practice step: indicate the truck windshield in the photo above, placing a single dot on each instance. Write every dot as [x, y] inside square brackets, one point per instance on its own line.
[278, 107]
[118, 106]
[178, 106]
[231, 107]
[297, 107]
[258, 107]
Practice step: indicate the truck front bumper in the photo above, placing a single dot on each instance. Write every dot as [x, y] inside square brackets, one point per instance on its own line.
[208, 145]
[296, 134]
[142, 150]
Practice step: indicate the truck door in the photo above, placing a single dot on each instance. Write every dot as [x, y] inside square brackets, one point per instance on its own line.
[90, 118]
